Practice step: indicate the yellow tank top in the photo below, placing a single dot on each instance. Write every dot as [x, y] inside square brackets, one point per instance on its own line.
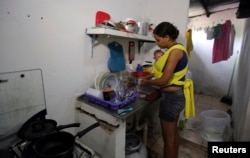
[159, 66]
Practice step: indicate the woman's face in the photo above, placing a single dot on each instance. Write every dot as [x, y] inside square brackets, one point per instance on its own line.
[162, 42]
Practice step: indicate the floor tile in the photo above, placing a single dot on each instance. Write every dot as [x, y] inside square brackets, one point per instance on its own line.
[156, 150]
[203, 106]
[188, 150]
[204, 99]
[153, 139]
[220, 106]
[192, 136]
[204, 144]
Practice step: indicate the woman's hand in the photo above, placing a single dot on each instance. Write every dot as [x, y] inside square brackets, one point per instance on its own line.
[143, 82]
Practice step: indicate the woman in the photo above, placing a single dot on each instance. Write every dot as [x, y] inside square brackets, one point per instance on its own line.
[169, 73]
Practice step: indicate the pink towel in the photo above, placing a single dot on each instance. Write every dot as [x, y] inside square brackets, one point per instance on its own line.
[221, 48]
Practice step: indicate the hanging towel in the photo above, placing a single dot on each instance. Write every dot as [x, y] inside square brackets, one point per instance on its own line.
[217, 30]
[221, 45]
[189, 110]
[189, 42]
[116, 61]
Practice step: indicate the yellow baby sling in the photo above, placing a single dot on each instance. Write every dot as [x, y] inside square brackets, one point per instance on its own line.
[160, 64]
[158, 67]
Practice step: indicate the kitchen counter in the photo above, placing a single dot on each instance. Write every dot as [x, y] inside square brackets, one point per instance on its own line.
[137, 105]
[110, 138]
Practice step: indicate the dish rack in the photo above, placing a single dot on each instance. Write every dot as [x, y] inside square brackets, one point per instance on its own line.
[112, 104]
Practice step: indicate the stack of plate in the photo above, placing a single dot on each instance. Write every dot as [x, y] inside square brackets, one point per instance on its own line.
[106, 80]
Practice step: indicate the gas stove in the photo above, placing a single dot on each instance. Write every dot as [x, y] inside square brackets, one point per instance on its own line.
[24, 150]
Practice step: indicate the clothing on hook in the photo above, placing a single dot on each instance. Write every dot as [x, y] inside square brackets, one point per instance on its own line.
[210, 33]
[189, 42]
[221, 45]
[217, 30]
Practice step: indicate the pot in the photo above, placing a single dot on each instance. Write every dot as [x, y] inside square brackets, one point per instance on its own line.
[59, 144]
[34, 130]
[129, 26]
[133, 143]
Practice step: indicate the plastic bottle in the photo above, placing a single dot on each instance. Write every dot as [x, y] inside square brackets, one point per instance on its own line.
[139, 68]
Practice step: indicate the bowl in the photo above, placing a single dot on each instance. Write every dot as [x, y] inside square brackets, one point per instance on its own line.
[130, 26]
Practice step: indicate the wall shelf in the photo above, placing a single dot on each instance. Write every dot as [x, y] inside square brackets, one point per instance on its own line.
[94, 32]
[121, 34]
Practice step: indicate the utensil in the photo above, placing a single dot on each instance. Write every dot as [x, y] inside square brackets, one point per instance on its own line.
[60, 144]
[133, 143]
[108, 94]
[95, 92]
[101, 16]
[99, 79]
[109, 81]
[116, 61]
[37, 129]
[121, 91]
[131, 51]
[121, 111]
[129, 26]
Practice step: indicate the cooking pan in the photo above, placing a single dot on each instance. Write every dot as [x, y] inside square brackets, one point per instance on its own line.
[36, 129]
[59, 144]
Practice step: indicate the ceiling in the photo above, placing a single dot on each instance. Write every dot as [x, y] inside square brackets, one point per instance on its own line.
[208, 7]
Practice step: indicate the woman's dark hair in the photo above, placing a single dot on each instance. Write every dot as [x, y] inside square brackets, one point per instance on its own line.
[166, 28]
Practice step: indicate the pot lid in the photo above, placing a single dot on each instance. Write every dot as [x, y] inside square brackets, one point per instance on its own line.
[36, 129]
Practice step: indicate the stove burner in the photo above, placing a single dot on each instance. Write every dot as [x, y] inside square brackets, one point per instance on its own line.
[25, 150]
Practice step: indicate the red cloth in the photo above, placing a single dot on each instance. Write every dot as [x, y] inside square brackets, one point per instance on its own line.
[222, 44]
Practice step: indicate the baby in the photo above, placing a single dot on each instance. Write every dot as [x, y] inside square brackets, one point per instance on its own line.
[157, 54]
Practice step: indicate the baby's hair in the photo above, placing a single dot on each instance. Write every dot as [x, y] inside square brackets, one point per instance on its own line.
[157, 54]
[158, 51]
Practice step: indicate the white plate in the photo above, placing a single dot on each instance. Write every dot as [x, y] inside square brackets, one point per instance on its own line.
[102, 79]
[98, 79]
[109, 81]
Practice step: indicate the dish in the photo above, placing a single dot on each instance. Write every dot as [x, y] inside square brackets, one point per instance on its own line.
[109, 81]
[98, 79]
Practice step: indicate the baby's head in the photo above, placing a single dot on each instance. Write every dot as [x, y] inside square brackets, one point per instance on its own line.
[157, 54]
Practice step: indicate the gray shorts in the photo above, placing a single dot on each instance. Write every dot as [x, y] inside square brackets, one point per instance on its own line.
[171, 104]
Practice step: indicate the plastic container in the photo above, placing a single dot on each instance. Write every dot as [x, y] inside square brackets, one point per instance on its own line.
[214, 123]
[95, 92]
[112, 104]
[139, 68]
[143, 28]
[134, 148]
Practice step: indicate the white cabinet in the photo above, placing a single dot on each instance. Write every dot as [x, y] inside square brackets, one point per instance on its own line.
[108, 140]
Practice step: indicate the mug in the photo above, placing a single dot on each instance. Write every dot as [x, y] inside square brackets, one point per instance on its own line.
[108, 94]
